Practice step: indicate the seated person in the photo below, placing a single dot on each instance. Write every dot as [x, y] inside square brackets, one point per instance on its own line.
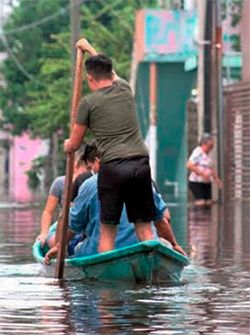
[84, 219]
[55, 197]
[84, 167]
[89, 157]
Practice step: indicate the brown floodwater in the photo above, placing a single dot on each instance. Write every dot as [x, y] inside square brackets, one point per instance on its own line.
[214, 297]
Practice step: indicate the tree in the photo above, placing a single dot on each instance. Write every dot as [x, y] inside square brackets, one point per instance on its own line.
[37, 94]
[110, 28]
[30, 25]
[233, 9]
[48, 104]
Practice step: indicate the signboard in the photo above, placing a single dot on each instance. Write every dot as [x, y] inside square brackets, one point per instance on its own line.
[170, 32]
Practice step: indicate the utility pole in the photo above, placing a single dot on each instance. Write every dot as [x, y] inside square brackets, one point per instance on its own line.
[215, 120]
[219, 92]
[201, 65]
[245, 40]
[208, 35]
[75, 24]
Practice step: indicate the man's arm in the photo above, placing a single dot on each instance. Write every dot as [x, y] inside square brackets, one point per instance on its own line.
[216, 178]
[194, 168]
[53, 251]
[165, 231]
[77, 135]
[162, 224]
[85, 46]
[47, 217]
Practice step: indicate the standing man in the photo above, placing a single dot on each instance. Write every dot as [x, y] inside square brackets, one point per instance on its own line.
[124, 177]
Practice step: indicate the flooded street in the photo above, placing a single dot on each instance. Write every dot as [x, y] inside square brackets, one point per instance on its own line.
[214, 297]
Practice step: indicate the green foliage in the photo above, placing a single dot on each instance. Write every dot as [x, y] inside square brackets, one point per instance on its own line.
[35, 171]
[38, 84]
[37, 72]
[110, 29]
[24, 35]
[48, 106]
[234, 9]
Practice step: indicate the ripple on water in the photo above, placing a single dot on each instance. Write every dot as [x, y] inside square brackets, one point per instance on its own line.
[32, 305]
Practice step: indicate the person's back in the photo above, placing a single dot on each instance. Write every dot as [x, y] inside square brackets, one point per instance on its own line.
[110, 113]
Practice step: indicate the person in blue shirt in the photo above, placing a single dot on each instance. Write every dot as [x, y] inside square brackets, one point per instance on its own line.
[84, 219]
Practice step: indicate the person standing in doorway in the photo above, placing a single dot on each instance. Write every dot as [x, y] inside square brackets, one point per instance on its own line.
[125, 176]
[202, 172]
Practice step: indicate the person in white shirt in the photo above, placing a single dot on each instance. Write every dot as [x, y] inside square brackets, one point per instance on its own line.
[202, 172]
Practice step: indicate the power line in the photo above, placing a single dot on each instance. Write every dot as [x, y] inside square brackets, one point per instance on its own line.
[45, 19]
[61, 11]
[17, 63]
[34, 24]
[11, 54]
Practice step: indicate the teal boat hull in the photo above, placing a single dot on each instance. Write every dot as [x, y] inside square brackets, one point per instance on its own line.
[150, 261]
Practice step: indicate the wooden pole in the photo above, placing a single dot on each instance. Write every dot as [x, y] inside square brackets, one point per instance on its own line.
[201, 65]
[219, 93]
[63, 222]
[208, 80]
[245, 40]
[152, 93]
[153, 119]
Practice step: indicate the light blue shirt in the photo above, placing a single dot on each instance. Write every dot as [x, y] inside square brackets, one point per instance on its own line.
[85, 219]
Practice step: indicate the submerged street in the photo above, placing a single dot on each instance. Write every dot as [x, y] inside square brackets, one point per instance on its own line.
[180, 118]
[214, 297]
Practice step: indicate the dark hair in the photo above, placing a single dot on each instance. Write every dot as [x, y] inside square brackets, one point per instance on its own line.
[91, 152]
[206, 137]
[99, 66]
[79, 157]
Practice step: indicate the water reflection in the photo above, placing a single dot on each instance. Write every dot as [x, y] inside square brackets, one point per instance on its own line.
[33, 306]
[19, 226]
[220, 236]
[179, 216]
[203, 234]
[213, 299]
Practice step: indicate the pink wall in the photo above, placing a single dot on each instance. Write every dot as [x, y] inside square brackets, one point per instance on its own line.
[22, 151]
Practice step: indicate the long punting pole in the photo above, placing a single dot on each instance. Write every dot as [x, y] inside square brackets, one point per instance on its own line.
[63, 223]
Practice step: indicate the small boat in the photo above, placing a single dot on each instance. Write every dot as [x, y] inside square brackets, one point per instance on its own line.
[149, 262]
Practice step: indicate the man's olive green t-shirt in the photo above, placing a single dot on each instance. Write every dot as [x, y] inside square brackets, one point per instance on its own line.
[110, 114]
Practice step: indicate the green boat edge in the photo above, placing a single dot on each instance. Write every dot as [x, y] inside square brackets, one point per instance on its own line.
[125, 254]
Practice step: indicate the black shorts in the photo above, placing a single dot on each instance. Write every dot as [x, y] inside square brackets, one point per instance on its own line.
[201, 191]
[126, 181]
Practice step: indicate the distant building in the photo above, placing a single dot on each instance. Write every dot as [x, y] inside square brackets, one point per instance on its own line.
[23, 150]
